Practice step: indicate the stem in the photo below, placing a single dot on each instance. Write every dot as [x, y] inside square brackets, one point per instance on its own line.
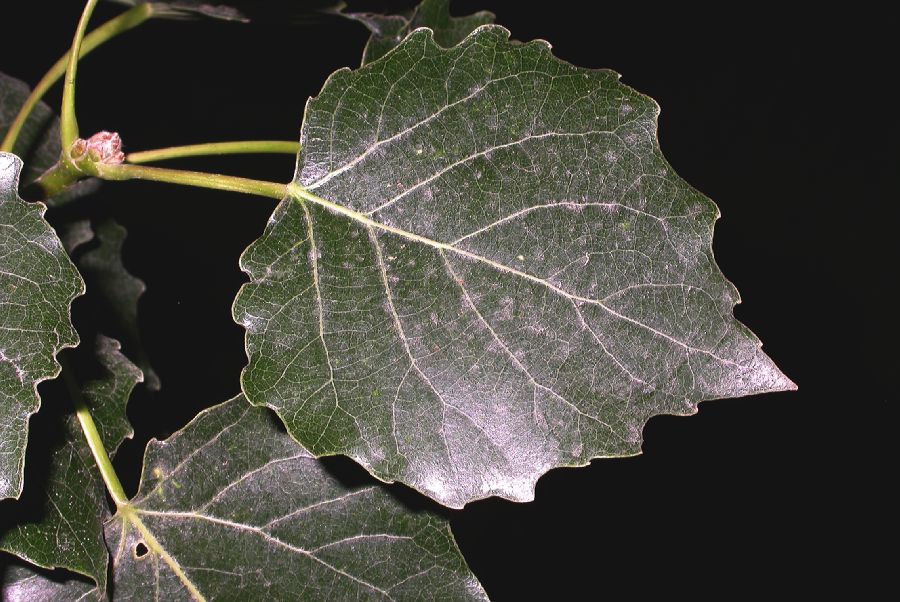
[94, 441]
[127, 20]
[192, 178]
[215, 148]
[68, 126]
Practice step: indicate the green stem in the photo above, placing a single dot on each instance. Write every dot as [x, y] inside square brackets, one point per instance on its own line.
[58, 178]
[94, 441]
[215, 148]
[192, 178]
[127, 20]
[68, 126]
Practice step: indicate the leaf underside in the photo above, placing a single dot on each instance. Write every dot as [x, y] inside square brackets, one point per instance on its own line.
[487, 269]
[37, 285]
[59, 521]
[389, 30]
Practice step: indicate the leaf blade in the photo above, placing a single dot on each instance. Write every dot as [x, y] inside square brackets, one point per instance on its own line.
[389, 30]
[308, 536]
[60, 524]
[38, 283]
[486, 269]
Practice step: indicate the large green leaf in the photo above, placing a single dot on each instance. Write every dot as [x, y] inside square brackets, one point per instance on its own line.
[60, 523]
[37, 285]
[487, 269]
[389, 30]
[230, 508]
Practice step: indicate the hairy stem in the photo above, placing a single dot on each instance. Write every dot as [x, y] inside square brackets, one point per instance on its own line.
[192, 178]
[94, 441]
[68, 126]
[215, 148]
[127, 20]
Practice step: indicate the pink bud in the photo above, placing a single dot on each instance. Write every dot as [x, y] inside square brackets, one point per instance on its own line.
[102, 147]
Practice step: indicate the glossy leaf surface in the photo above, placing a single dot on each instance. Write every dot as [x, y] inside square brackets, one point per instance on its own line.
[230, 508]
[487, 269]
[37, 285]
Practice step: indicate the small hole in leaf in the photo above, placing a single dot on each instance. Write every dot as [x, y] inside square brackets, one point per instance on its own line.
[140, 550]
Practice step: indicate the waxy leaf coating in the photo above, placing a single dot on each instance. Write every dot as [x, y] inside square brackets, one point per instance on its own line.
[486, 269]
[37, 285]
[231, 508]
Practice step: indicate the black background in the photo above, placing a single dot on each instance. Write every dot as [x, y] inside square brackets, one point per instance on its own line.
[786, 120]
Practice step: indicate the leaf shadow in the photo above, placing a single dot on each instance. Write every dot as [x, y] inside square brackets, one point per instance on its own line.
[13, 569]
[353, 476]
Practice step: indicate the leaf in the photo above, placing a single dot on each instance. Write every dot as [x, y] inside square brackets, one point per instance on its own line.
[26, 584]
[108, 398]
[486, 269]
[119, 290]
[38, 142]
[231, 508]
[61, 524]
[389, 30]
[37, 285]
[184, 9]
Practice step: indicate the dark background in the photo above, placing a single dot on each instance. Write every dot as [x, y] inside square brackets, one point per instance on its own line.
[787, 121]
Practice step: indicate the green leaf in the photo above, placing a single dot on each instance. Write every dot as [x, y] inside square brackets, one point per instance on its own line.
[59, 524]
[486, 270]
[38, 143]
[19, 583]
[37, 285]
[389, 30]
[108, 398]
[231, 508]
[117, 289]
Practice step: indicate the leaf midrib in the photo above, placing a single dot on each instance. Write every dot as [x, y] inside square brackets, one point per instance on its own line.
[132, 514]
